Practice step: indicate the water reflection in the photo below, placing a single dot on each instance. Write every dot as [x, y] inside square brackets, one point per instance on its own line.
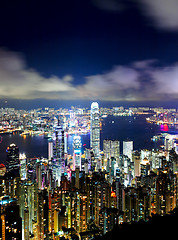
[114, 128]
[164, 127]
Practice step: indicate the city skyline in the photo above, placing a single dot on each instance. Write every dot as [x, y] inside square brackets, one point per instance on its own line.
[88, 118]
[93, 51]
[94, 180]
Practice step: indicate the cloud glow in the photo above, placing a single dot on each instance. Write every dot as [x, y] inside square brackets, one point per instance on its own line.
[137, 81]
[163, 13]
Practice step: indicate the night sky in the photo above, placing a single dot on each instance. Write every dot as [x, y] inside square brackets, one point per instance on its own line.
[105, 50]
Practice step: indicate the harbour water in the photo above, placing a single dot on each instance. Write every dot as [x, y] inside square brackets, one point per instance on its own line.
[134, 128]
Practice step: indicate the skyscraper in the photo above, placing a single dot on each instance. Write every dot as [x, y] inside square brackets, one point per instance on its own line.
[111, 149]
[23, 161]
[12, 160]
[77, 152]
[72, 118]
[50, 149]
[95, 129]
[58, 152]
[128, 148]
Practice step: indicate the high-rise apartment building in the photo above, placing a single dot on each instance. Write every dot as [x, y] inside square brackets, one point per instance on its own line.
[95, 129]
[10, 221]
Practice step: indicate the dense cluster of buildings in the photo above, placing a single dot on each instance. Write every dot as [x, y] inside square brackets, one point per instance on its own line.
[164, 117]
[83, 195]
[75, 119]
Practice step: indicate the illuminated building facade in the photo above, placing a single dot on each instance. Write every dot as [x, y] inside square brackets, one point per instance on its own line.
[137, 204]
[50, 149]
[2, 169]
[136, 161]
[145, 153]
[144, 167]
[77, 152]
[10, 220]
[12, 160]
[165, 193]
[95, 129]
[72, 118]
[23, 160]
[28, 208]
[111, 149]
[58, 152]
[155, 158]
[88, 200]
[128, 148]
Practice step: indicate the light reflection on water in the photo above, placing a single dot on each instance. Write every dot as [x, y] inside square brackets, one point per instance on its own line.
[114, 128]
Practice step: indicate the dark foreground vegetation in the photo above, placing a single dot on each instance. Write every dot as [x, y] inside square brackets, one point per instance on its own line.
[156, 228]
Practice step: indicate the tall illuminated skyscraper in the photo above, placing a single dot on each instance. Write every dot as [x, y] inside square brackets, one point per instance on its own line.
[50, 149]
[77, 152]
[111, 149]
[22, 159]
[12, 160]
[58, 152]
[95, 129]
[128, 148]
[72, 118]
